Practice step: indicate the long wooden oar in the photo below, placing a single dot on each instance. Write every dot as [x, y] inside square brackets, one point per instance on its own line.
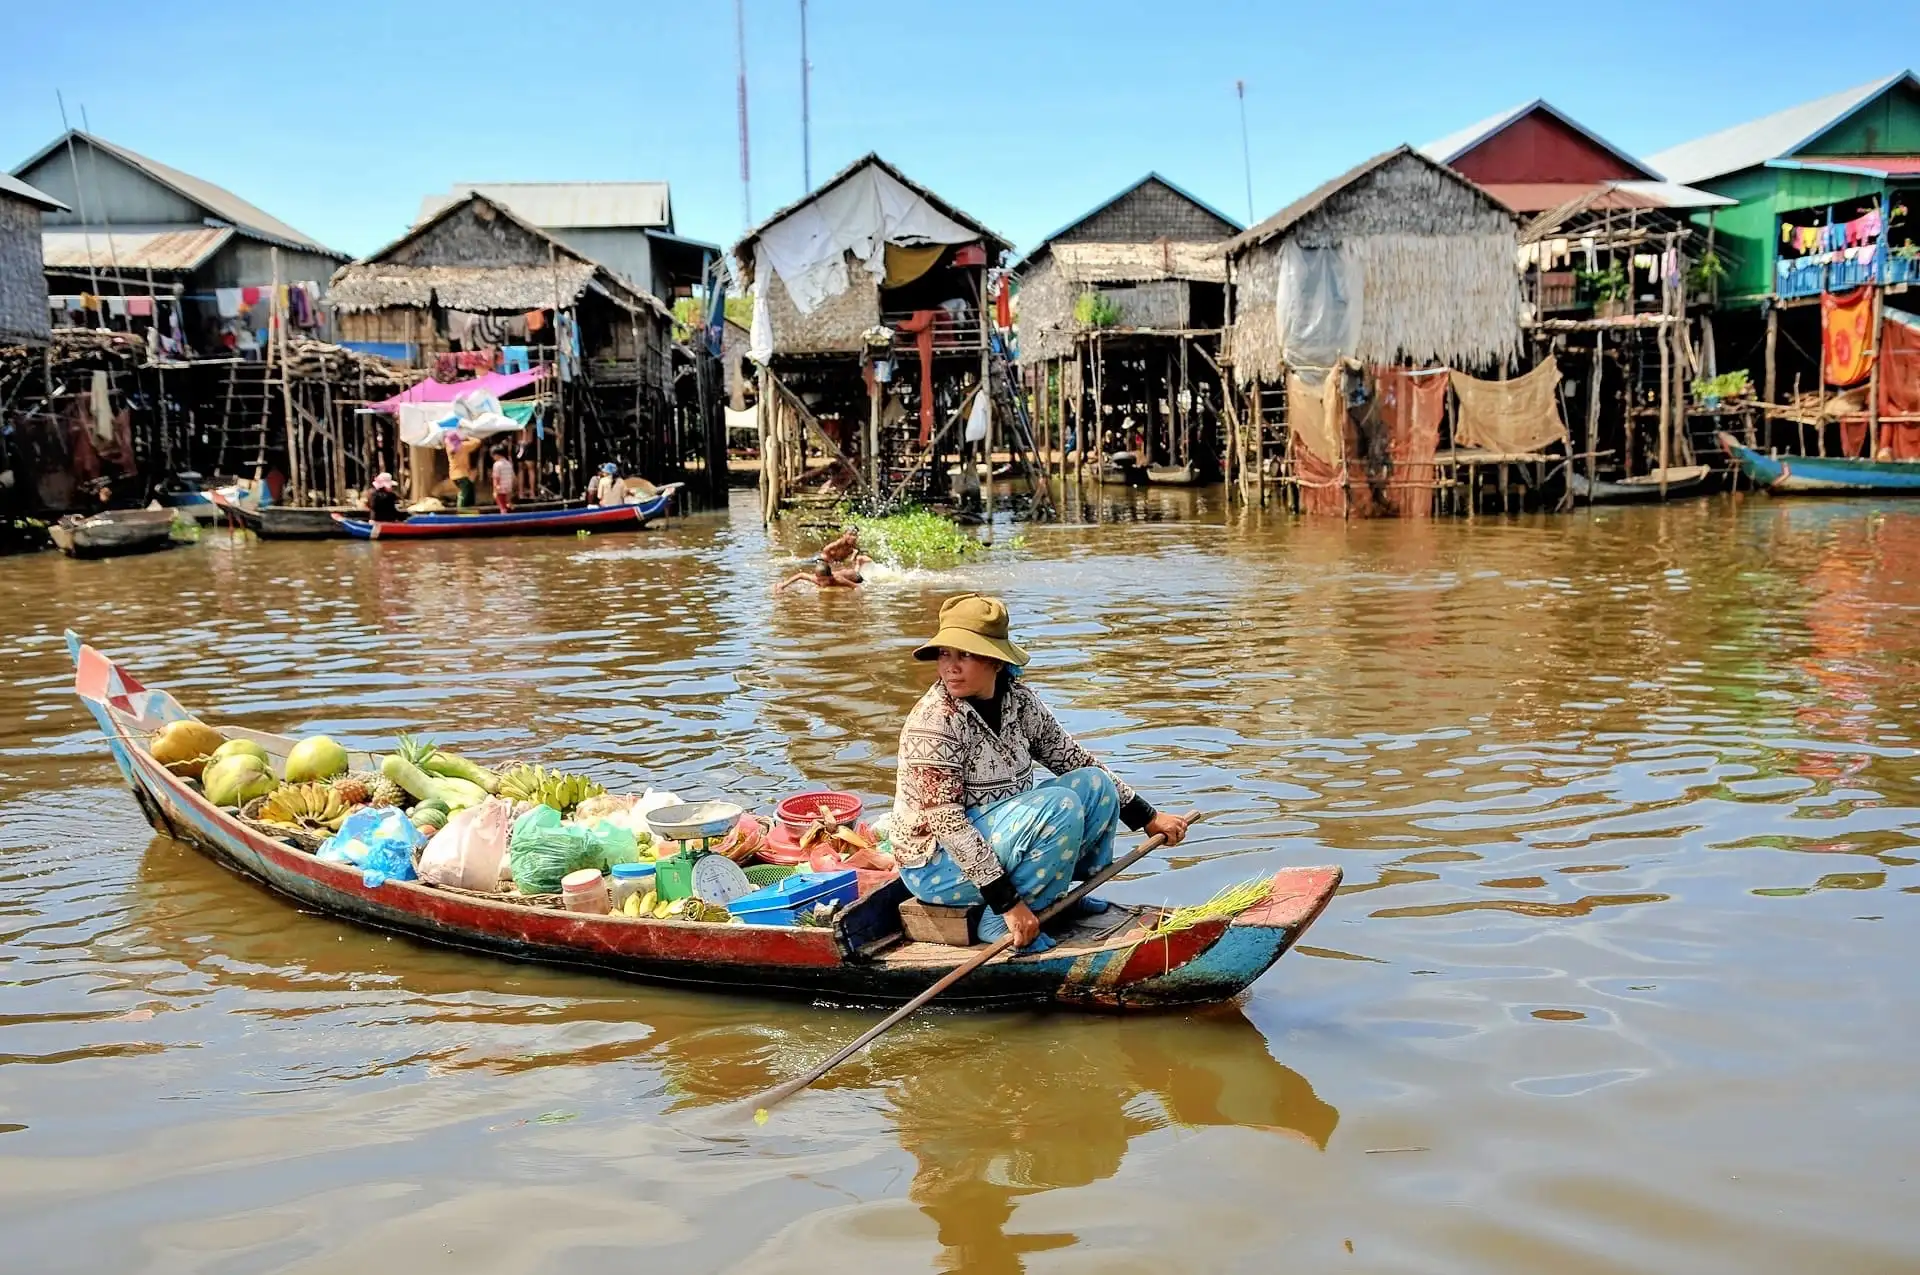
[774, 1097]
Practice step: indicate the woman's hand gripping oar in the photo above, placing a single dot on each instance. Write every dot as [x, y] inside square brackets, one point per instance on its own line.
[774, 1097]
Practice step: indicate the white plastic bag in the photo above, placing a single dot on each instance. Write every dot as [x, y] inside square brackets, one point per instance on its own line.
[471, 851]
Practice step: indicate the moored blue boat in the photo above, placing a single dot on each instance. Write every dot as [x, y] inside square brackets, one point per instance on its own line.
[1837, 475]
[531, 522]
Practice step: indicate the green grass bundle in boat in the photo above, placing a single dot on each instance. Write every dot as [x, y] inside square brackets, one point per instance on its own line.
[1226, 905]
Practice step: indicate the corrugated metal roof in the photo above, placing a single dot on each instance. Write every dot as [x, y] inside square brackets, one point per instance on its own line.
[1769, 137]
[217, 200]
[12, 185]
[567, 205]
[1454, 145]
[173, 251]
[1537, 197]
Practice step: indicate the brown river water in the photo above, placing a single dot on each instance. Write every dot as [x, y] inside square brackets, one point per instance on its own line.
[1620, 979]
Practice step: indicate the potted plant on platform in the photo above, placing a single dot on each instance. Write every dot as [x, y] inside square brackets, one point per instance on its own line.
[1607, 289]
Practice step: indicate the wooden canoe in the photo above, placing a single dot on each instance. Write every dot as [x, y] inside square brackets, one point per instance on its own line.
[1824, 475]
[1105, 963]
[113, 533]
[532, 522]
[1682, 480]
[284, 522]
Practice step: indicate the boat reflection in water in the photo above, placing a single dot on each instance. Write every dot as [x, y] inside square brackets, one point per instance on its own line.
[994, 1112]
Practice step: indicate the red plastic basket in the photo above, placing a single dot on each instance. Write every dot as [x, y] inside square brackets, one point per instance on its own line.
[797, 813]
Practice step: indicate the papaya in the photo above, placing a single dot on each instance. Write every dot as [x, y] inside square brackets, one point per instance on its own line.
[185, 747]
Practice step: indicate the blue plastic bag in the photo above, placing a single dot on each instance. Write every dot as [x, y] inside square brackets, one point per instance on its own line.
[377, 839]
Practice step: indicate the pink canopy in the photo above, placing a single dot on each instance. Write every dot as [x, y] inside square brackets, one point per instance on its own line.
[499, 384]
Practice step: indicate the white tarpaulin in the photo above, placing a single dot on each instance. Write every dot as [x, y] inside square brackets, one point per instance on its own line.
[475, 414]
[863, 214]
[1318, 305]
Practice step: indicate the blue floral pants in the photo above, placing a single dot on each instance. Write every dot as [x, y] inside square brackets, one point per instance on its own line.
[1046, 837]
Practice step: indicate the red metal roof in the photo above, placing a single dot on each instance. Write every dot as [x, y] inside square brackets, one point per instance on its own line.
[1903, 164]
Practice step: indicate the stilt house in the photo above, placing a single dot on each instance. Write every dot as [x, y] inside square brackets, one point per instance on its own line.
[1616, 281]
[476, 288]
[870, 314]
[1120, 315]
[1345, 300]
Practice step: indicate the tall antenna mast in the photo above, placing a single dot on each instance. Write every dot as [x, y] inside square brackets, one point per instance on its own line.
[746, 168]
[806, 114]
[79, 195]
[1246, 153]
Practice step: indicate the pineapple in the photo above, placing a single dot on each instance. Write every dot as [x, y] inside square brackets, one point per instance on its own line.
[384, 792]
[355, 789]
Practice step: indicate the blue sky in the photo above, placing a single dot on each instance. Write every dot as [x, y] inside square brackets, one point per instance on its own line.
[338, 117]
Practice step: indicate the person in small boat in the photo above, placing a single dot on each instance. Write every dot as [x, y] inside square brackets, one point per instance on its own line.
[970, 826]
[384, 501]
[820, 575]
[613, 488]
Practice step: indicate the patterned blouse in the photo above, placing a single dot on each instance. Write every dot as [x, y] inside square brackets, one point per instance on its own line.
[951, 762]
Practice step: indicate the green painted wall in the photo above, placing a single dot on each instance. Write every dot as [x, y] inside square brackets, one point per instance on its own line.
[1746, 233]
[1888, 126]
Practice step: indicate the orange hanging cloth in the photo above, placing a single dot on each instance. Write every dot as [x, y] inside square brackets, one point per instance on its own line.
[1846, 325]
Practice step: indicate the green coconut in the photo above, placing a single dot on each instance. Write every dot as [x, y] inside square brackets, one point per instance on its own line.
[238, 780]
[315, 761]
[240, 748]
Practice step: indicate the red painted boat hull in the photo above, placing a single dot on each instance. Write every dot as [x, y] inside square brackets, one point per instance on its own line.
[1210, 962]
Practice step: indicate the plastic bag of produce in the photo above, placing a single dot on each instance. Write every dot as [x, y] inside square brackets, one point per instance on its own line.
[471, 851]
[378, 840]
[542, 849]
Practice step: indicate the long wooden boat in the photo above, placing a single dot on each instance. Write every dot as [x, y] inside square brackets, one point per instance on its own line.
[1827, 475]
[283, 522]
[1682, 481]
[1107, 962]
[530, 522]
[113, 532]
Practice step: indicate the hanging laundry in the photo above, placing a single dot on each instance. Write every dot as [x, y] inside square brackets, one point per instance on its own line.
[250, 297]
[536, 319]
[116, 306]
[1846, 337]
[140, 307]
[89, 302]
[227, 302]
[102, 413]
[299, 306]
[1587, 246]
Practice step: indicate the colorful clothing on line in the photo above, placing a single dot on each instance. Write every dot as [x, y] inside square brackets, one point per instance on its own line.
[1043, 839]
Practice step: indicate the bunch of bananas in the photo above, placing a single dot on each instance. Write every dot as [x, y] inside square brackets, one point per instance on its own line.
[543, 787]
[829, 829]
[312, 807]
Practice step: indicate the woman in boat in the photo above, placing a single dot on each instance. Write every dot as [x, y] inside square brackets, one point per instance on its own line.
[969, 824]
[384, 502]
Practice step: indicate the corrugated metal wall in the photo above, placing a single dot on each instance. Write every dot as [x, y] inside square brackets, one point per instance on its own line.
[107, 189]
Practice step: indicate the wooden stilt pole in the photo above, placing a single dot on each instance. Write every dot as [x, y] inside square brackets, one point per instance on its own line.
[1772, 373]
[1873, 383]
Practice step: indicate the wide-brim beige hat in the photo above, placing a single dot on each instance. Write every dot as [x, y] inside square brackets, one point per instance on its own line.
[977, 624]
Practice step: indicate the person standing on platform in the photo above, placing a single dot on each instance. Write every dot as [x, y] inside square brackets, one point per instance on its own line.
[460, 450]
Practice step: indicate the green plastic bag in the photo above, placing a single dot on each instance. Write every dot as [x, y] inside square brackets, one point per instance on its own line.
[541, 849]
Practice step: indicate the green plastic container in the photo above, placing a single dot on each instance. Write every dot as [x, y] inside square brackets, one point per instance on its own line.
[765, 874]
[673, 876]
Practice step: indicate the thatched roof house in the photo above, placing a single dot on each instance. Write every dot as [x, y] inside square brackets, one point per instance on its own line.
[867, 245]
[1400, 260]
[23, 289]
[1149, 255]
[477, 257]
